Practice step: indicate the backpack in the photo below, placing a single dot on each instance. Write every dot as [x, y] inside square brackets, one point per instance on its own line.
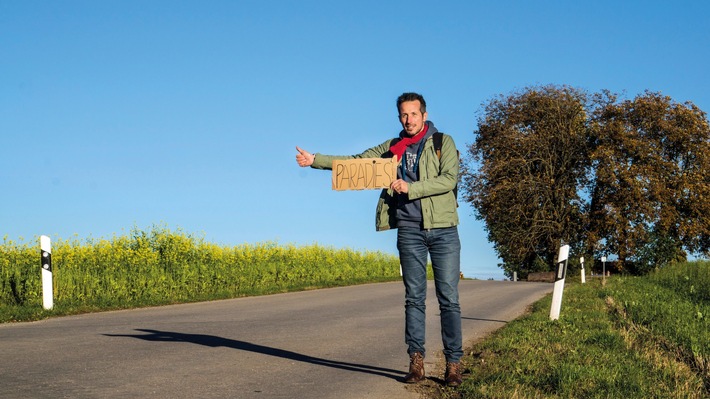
[438, 138]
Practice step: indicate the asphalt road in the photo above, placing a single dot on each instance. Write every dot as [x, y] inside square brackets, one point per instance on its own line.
[331, 343]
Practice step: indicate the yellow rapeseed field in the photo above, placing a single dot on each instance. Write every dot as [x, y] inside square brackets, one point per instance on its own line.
[160, 266]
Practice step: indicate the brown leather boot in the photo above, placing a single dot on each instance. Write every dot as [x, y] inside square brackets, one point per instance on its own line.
[453, 374]
[416, 368]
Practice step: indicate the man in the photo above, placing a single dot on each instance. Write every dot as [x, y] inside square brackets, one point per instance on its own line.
[421, 204]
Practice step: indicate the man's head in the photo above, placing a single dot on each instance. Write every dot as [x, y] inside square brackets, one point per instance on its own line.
[412, 112]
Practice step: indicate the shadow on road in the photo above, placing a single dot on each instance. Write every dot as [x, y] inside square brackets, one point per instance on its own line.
[214, 341]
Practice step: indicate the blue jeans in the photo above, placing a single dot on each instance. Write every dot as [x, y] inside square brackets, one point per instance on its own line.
[444, 248]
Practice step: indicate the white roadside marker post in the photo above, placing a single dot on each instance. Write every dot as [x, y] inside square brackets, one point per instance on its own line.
[47, 288]
[581, 261]
[559, 282]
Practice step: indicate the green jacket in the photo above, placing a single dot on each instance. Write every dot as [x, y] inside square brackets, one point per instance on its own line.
[437, 179]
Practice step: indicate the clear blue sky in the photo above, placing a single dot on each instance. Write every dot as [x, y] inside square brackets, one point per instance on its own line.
[115, 114]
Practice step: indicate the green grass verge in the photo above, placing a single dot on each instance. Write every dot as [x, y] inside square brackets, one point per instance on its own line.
[633, 337]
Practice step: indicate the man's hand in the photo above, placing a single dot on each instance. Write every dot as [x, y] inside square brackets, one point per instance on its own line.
[304, 158]
[400, 186]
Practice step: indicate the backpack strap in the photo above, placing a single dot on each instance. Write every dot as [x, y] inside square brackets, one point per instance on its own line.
[438, 138]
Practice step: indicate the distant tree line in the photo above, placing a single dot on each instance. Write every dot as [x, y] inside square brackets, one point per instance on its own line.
[553, 165]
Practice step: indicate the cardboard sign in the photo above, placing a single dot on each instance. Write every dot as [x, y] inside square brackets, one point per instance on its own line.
[364, 173]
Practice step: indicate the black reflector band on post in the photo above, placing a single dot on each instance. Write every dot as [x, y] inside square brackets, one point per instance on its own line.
[46, 260]
[561, 270]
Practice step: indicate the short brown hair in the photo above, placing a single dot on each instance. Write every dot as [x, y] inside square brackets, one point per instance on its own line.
[412, 97]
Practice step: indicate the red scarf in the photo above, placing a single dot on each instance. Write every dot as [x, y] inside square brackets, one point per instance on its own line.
[401, 146]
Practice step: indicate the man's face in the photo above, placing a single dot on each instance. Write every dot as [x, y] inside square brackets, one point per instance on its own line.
[411, 117]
